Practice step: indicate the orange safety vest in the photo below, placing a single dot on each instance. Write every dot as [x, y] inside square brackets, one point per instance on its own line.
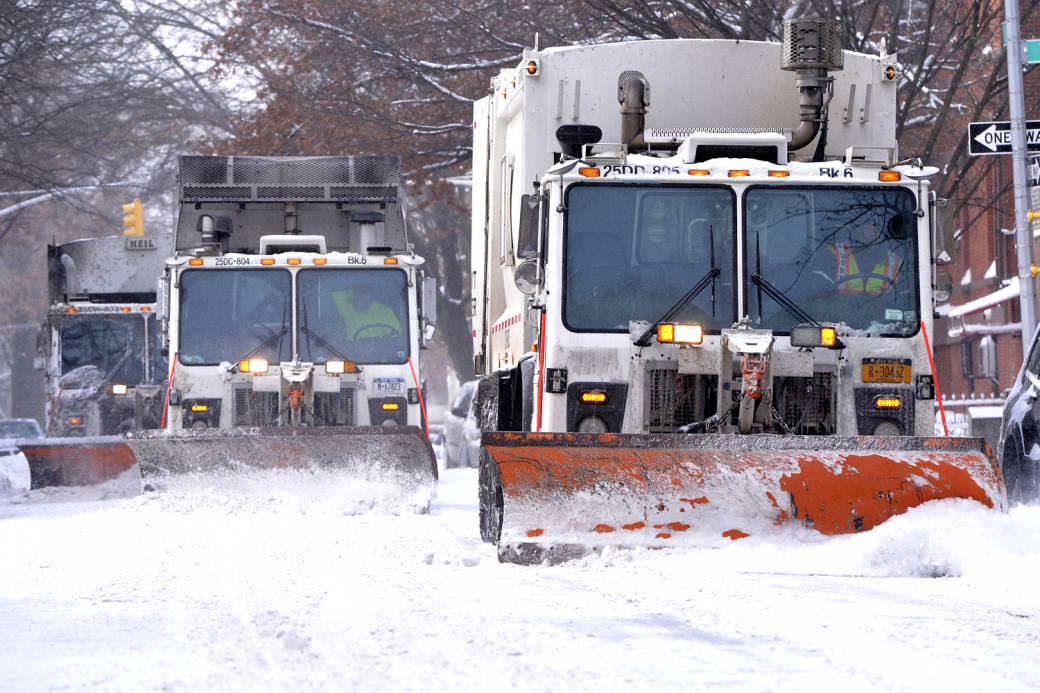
[848, 266]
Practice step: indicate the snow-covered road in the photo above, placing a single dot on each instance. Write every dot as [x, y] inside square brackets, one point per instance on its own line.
[275, 583]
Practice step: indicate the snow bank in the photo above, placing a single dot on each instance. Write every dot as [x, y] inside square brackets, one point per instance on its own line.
[14, 473]
[948, 538]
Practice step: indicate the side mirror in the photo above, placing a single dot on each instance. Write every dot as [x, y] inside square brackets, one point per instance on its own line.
[428, 332]
[942, 289]
[525, 276]
[942, 230]
[429, 294]
[527, 243]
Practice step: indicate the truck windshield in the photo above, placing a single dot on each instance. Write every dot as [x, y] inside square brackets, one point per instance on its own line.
[358, 315]
[632, 251]
[99, 347]
[230, 315]
[841, 255]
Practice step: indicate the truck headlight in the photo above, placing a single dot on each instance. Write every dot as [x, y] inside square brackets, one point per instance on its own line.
[253, 366]
[814, 336]
[673, 333]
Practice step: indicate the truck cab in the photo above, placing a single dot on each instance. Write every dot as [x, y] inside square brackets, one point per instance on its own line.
[293, 297]
[99, 346]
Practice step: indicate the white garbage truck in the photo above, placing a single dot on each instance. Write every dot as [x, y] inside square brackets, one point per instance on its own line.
[98, 346]
[294, 317]
[703, 283]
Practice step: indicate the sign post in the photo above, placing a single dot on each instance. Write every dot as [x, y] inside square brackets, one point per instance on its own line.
[1023, 230]
[1016, 137]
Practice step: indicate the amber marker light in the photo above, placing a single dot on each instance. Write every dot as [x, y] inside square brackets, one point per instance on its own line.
[267, 261]
[146, 309]
[828, 337]
[589, 172]
[253, 366]
[320, 261]
[890, 73]
[666, 333]
[200, 407]
[293, 261]
[532, 67]
[739, 173]
[70, 310]
[699, 172]
[390, 261]
[889, 176]
[887, 402]
[74, 421]
[594, 397]
[390, 406]
[779, 174]
[125, 309]
[195, 262]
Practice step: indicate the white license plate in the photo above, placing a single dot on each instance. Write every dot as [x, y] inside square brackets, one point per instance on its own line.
[389, 387]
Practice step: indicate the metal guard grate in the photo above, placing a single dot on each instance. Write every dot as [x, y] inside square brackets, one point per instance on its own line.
[255, 408]
[808, 410]
[674, 400]
[334, 409]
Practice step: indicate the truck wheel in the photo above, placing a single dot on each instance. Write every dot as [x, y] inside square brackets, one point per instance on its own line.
[485, 405]
[491, 499]
[1011, 466]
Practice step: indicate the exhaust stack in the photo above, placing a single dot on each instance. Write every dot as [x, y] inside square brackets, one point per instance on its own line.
[811, 48]
[634, 97]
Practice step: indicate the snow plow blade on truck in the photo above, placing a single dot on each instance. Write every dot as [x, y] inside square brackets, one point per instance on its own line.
[560, 495]
[94, 461]
[401, 456]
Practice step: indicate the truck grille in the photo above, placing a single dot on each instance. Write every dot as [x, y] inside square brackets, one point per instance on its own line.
[255, 408]
[807, 404]
[334, 408]
[674, 400]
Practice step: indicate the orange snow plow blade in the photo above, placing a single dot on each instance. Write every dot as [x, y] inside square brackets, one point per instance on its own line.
[573, 492]
[401, 456]
[81, 462]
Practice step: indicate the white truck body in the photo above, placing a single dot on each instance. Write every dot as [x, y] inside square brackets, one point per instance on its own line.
[98, 346]
[699, 93]
[292, 234]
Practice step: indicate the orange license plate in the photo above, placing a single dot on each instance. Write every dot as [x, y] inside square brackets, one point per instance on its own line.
[886, 370]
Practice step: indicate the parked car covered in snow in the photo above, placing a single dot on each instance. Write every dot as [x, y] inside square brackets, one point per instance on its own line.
[461, 433]
[1019, 446]
[20, 428]
[14, 468]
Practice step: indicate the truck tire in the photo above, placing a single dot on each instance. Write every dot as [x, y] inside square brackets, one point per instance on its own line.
[1020, 473]
[491, 499]
[485, 404]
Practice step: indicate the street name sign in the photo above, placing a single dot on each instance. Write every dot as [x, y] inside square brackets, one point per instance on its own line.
[995, 138]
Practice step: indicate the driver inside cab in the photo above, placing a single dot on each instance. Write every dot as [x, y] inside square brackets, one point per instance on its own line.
[365, 317]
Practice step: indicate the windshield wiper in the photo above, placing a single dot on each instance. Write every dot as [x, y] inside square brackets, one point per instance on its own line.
[269, 342]
[310, 334]
[763, 285]
[709, 278]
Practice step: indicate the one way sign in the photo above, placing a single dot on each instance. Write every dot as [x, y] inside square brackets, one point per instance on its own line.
[995, 138]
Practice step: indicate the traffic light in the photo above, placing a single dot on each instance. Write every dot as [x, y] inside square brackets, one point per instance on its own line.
[133, 218]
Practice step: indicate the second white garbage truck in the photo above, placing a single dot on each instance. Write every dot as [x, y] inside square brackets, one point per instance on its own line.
[703, 280]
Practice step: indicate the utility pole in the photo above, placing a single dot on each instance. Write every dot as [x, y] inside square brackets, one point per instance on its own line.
[1023, 228]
